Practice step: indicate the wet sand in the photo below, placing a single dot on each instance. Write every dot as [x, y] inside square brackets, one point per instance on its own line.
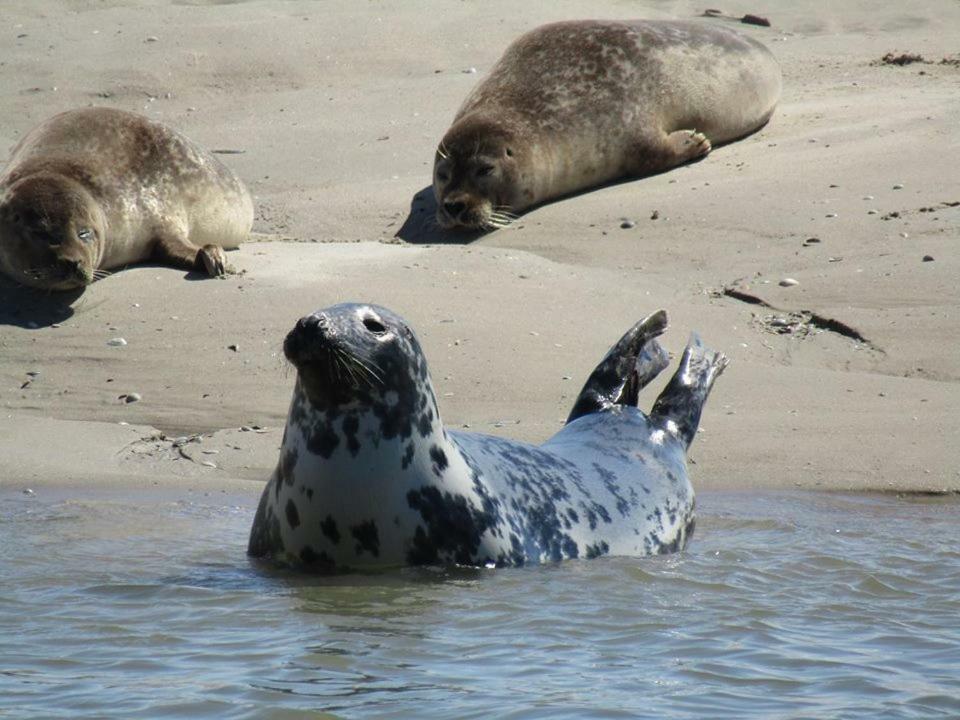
[847, 380]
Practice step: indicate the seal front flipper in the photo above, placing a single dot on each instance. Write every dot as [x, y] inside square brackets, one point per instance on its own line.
[171, 248]
[629, 365]
[679, 406]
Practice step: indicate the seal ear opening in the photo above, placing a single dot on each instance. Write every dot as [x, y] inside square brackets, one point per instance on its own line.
[631, 364]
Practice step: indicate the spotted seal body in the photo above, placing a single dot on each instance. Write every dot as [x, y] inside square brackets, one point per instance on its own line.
[368, 475]
[95, 189]
[573, 105]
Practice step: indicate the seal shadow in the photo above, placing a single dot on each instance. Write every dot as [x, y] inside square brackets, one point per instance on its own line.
[421, 228]
[31, 308]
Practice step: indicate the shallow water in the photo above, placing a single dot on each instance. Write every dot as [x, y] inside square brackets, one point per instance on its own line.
[784, 605]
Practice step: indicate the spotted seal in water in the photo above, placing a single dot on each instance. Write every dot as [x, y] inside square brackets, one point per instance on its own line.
[94, 189]
[369, 476]
[573, 105]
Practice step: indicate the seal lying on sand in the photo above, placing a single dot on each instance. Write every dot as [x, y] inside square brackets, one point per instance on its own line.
[94, 189]
[369, 476]
[573, 105]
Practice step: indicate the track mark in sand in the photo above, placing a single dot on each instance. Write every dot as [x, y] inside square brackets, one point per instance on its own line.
[796, 323]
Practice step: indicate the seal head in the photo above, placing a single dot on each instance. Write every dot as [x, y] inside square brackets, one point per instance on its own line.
[477, 174]
[53, 232]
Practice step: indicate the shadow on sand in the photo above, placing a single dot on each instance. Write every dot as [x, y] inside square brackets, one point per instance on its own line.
[420, 227]
[31, 308]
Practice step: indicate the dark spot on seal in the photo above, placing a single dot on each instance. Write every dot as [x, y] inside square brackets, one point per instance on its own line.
[572, 514]
[329, 528]
[407, 457]
[288, 461]
[367, 537]
[351, 425]
[425, 424]
[265, 535]
[323, 440]
[439, 458]
[453, 528]
[293, 517]
[597, 549]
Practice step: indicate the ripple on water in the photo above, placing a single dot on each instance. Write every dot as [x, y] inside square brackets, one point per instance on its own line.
[783, 606]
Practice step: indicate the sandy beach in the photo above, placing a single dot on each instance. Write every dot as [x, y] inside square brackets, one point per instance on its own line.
[849, 379]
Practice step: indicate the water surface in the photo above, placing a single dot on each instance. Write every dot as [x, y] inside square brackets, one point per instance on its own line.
[785, 605]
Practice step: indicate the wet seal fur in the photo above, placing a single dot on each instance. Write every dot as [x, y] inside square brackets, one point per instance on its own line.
[95, 189]
[368, 475]
[573, 105]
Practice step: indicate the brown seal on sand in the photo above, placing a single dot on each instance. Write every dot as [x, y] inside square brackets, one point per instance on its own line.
[573, 105]
[94, 189]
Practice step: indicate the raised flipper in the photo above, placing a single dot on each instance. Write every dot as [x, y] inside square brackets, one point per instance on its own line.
[629, 365]
[679, 406]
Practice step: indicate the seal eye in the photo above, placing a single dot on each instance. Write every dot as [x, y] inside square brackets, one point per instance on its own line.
[509, 152]
[373, 326]
[85, 234]
[443, 175]
[484, 170]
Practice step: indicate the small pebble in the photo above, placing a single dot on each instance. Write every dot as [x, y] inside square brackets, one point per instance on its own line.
[207, 463]
[33, 373]
[116, 342]
[831, 215]
[788, 282]
[868, 197]
[233, 347]
[627, 224]
[28, 491]
[131, 397]
[898, 186]
[470, 71]
[655, 215]
[151, 38]
[871, 212]
[811, 241]
[904, 235]
[928, 258]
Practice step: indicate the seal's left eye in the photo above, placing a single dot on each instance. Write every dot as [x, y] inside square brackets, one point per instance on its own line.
[484, 170]
[85, 235]
[373, 326]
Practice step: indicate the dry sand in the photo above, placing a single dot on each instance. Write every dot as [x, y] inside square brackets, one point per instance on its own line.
[336, 107]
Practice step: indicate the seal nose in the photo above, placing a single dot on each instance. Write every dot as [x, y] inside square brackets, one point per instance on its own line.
[310, 322]
[454, 208]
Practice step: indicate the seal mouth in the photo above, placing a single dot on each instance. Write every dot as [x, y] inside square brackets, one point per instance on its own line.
[473, 216]
[62, 275]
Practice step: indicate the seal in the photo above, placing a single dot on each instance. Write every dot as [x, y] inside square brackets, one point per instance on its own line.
[368, 476]
[95, 189]
[573, 105]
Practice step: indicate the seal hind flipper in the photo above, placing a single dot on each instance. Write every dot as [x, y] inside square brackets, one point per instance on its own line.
[681, 402]
[629, 365]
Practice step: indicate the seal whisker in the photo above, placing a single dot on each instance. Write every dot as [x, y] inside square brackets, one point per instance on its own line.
[371, 373]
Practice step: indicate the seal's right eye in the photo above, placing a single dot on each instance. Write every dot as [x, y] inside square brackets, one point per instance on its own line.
[443, 175]
[374, 326]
